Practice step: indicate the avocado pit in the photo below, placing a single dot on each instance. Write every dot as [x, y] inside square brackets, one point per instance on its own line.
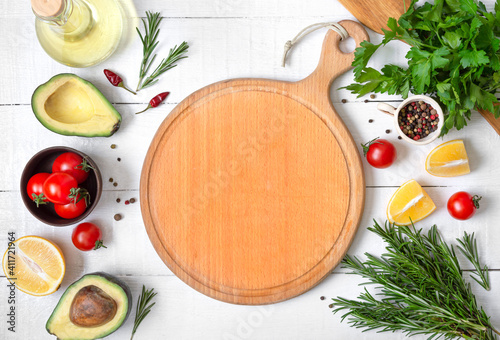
[92, 307]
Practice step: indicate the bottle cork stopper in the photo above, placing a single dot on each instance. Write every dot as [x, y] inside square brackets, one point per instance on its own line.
[47, 8]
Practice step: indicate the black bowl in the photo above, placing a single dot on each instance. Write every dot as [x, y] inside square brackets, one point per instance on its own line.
[42, 162]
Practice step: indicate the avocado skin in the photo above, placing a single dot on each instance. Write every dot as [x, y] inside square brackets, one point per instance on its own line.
[41, 88]
[108, 277]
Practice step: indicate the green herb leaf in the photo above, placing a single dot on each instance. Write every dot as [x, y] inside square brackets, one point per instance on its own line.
[143, 307]
[420, 287]
[454, 56]
[452, 39]
[149, 43]
[469, 6]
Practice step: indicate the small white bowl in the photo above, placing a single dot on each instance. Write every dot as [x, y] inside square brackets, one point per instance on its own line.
[391, 110]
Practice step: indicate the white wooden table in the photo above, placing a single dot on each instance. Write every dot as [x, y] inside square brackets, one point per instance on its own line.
[228, 39]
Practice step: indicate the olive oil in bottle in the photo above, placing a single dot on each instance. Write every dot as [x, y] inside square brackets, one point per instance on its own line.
[78, 33]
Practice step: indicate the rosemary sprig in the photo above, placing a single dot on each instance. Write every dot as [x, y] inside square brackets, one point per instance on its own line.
[175, 54]
[143, 307]
[149, 43]
[421, 285]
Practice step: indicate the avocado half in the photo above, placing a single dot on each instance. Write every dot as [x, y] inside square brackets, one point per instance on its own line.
[91, 308]
[72, 106]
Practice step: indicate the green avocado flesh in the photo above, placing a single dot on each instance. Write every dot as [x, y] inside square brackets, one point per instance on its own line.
[91, 308]
[72, 106]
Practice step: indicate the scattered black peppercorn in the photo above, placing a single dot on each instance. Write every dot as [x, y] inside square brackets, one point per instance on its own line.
[322, 298]
[132, 200]
[111, 179]
[113, 146]
[118, 217]
[118, 200]
[366, 100]
[370, 121]
[387, 131]
[344, 101]
[115, 184]
[399, 137]
[119, 159]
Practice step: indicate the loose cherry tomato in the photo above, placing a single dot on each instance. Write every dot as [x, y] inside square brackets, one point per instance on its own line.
[35, 188]
[73, 164]
[462, 205]
[379, 153]
[60, 188]
[87, 236]
[72, 209]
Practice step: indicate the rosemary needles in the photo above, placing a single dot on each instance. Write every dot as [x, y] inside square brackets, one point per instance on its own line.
[143, 307]
[149, 43]
[420, 287]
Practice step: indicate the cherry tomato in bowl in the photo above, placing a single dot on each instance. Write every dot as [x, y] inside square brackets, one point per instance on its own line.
[35, 188]
[463, 205]
[43, 161]
[73, 164]
[73, 209]
[87, 236]
[379, 153]
[60, 188]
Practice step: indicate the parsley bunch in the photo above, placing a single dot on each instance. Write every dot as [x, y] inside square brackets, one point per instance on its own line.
[454, 57]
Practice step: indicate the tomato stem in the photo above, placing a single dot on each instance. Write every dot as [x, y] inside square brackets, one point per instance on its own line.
[39, 199]
[99, 244]
[77, 194]
[85, 166]
[475, 200]
[366, 146]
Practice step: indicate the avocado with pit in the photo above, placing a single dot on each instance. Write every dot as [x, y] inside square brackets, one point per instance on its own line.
[72, 106]
[91, 308]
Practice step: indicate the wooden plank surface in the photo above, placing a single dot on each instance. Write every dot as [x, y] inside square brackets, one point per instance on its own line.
[229, 39]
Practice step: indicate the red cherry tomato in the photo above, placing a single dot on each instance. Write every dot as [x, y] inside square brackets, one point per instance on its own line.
[462, 205]
[72, 209]
[87, 236]
[73, 164]
[379, 153]
[58, 188]
[35, 188]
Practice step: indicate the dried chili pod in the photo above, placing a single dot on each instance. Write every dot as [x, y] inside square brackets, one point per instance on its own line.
[156, 101]
[116, 80]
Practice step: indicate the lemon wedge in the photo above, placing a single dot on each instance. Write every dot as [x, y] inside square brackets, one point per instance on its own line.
[448, 160]
[410, 203]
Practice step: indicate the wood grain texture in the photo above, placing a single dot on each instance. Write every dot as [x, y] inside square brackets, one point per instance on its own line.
[252, 189]
[375, 13]
[490, 118]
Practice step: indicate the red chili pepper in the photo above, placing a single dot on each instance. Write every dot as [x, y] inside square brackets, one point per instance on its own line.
[116, 80]
[156, 101]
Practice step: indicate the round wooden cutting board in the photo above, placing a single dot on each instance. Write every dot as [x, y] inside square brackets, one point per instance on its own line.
[252, 189]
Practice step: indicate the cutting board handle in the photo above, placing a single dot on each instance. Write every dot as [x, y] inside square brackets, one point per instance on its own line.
[333, 62]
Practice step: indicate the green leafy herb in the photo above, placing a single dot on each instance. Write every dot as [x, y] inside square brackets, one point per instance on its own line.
[149, 43]
[454, 56]
[421, 287]
[175, 54]
[143, 307]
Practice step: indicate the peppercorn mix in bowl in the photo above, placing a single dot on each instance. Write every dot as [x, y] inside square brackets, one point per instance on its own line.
[418, 119]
